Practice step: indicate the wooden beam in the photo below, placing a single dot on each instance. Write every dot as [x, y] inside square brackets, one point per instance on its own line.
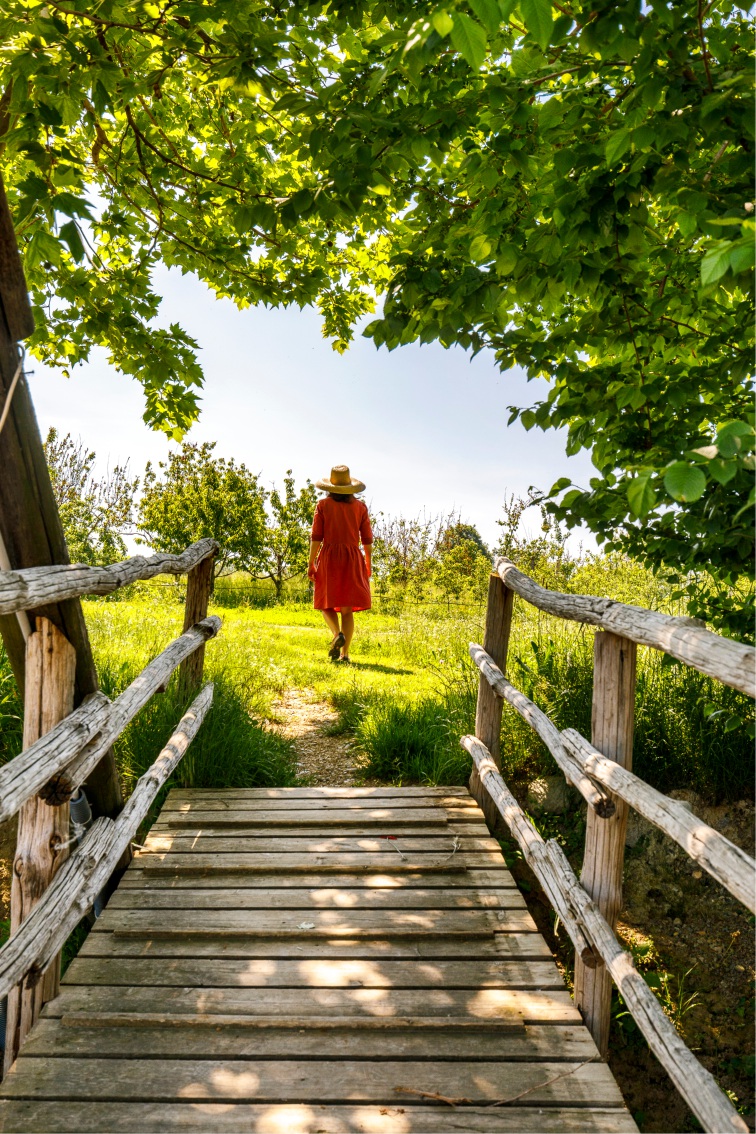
[686, 639]
[592, 792]
[614, 661]
[489, 707]
[42, 830]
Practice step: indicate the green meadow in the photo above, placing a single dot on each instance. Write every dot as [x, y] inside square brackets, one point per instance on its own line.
[410, 692]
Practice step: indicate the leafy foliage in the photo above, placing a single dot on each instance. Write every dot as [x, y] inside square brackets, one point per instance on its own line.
[286, 541]
[197, 495]
[95, 513]
[572, 193]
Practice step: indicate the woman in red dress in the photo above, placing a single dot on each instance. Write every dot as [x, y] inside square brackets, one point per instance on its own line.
[341, 573]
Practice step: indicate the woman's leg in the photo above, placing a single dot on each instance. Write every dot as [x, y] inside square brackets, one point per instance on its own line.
[331, 621]
[347, 629]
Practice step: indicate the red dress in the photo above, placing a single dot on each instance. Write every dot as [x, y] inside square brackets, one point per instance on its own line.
[341, 577]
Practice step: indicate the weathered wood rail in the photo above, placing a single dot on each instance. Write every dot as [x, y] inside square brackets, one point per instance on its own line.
[600, 771]
[52, 890]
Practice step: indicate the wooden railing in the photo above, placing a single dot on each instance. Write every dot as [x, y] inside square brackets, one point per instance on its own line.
[52, 891]
[600, 771]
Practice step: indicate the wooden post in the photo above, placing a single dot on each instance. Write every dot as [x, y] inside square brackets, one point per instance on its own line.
[199, 584]
[612, 734]
[489, 708]
[42, 830]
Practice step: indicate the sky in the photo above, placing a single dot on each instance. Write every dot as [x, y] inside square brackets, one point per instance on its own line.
[425, 428]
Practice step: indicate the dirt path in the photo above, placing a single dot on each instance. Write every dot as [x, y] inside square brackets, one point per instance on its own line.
[326, 761]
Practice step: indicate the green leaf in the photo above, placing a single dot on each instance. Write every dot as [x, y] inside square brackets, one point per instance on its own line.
[506, 259]
[70, 233]
[741, 256]
[722, 471]
[687, 223]
[41, 248]
[640, 495]
[730, 438]
[487, 12]
[617, 145]
[715, 263]
[442, 22]
[684, 482]
[480, 248]
[538, 20]
[469, 39]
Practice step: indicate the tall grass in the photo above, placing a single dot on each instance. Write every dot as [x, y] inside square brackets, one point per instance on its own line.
[676, 743]
[234, 748]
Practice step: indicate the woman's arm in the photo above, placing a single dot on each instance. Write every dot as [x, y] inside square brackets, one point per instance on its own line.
[368, 549]
[315, 546]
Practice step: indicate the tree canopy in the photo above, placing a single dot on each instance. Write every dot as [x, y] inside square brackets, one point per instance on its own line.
[196, 495]
[567, 186]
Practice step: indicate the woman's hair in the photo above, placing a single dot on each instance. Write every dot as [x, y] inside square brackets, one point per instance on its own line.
[342, 497]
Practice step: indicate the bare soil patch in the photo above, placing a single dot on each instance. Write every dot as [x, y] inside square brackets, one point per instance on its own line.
[323, 760]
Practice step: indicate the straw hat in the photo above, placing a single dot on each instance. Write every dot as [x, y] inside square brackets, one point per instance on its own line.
[340, 481]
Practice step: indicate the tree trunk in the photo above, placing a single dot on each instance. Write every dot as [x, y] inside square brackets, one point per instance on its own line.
[30, 526]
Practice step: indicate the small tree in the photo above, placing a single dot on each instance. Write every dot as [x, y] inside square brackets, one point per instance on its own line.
[405, 550]
[197, 495]
[459, 533]
[543, 555]
[286, 539]
[95, 513]
[464, 569]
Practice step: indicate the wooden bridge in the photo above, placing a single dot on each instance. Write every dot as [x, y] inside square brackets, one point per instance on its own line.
[329, 960]
[314, 960]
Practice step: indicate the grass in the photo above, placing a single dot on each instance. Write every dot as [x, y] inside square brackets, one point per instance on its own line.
[409, 694]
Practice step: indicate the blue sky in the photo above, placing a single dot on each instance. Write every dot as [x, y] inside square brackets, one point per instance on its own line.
[425, 428]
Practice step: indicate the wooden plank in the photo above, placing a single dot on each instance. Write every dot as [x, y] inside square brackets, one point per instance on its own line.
[322, 830]
[182, 1080]
[520, 1006]
[303, 806]
[323, 863]
[535, 1042]
[140, 879]
[356, 796]
[317, 923]
[198, 844]
[377, 818]
[320, 973]
[285, 1118]
[515, 946]
[324, 898]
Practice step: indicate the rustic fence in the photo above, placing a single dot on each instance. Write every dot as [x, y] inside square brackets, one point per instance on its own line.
[600, 771]
[52, 889]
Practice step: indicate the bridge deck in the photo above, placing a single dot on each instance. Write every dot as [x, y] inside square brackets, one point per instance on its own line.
[325, 960]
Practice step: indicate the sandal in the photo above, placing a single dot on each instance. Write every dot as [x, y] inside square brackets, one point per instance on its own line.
[345, 661]
[335, 646]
